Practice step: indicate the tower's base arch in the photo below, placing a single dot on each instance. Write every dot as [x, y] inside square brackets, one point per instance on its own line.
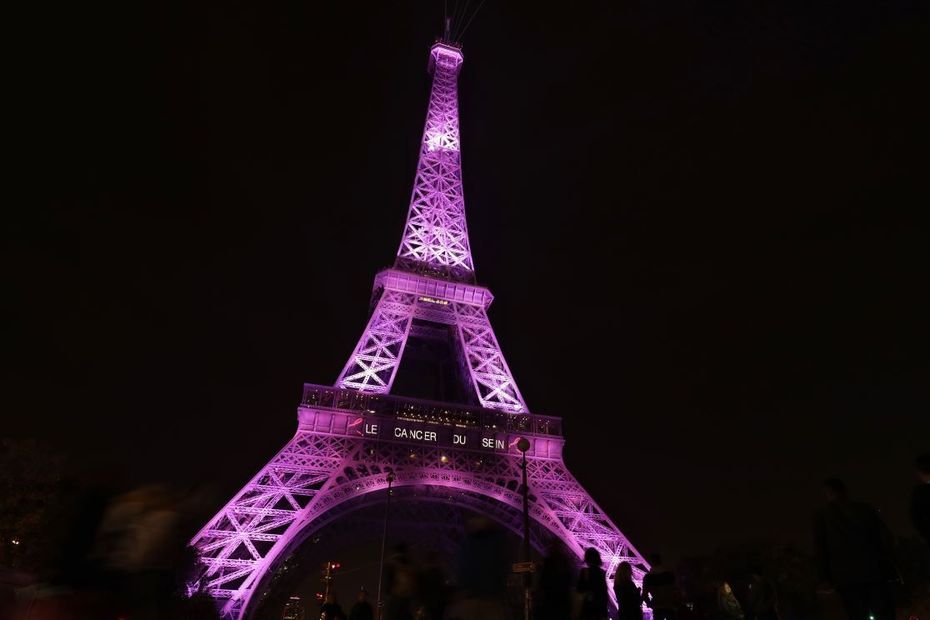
[347, 444]
[427, 520]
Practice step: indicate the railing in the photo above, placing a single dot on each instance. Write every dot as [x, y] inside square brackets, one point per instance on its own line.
[442, 272]
[421, 283]
[328, 397]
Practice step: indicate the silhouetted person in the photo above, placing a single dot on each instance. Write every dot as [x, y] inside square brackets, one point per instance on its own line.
[853, 549]
[629, 597]
[331, 609]
[728, 607]
[432, 593]
[483, 569]
[761, 597]
[660, 590]
[554, 599]
[400, 585]
[592, 585]
[139, 542]
[920, 500]
[362, 609]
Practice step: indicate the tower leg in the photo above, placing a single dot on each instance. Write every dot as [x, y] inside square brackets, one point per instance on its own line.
[373, 364]
[321, 474]
[235, 547]
[585, 523]
[491, 377]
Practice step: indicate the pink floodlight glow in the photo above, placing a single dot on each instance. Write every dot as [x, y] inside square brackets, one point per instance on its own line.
[447, 56]
[436, 234]
[353, 436]
[445, 141]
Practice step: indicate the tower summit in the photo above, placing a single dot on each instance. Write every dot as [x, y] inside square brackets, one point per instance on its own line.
[435, 239]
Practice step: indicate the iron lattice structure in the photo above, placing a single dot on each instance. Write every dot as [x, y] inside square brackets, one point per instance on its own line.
[435, 240]
[351, 435]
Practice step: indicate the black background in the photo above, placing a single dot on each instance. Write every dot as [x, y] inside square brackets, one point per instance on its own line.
[703, 222]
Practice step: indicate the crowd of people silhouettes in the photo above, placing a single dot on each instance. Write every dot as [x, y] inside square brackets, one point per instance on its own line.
[854, 557]
[131, 559]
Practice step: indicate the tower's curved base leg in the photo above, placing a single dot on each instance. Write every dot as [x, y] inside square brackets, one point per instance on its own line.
[316, 477]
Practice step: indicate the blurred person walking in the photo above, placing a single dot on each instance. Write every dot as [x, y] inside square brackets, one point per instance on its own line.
[331, 609]
[629, 597]
[761, 597]
[592, 585]
[139, 542]
[920, 499]
[432, 591]
[483, 569]
[554, 598]
[400, 582]
[362, 609]
[660, 590]
[854, 554]
[728, 607]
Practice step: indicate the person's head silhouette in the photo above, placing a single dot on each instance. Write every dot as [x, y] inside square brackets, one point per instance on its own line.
[923, 468]
[835, 490]
[592, 557]
[624, 572]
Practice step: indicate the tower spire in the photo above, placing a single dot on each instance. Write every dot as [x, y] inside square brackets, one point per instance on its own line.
[435, 240]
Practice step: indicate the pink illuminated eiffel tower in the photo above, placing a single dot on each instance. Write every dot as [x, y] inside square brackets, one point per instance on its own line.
[352, 435]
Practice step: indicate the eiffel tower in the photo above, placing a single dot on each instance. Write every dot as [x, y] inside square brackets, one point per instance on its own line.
[459, 448]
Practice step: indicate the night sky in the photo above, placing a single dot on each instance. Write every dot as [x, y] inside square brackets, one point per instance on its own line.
[704, 224]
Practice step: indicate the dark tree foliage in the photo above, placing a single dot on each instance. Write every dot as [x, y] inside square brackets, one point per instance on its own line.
[913, 562]
[791, 569]
[34, 490]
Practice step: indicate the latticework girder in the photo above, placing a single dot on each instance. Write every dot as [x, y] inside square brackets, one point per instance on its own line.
[373, 364]
[435, 240]
[375, 360]
[350, 436]
[491, 377]
[306, 486]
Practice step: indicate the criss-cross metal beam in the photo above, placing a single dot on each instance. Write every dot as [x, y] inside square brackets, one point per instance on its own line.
[351, 435]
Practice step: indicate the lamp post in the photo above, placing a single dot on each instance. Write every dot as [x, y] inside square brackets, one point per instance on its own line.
[387, 508]
[523, 444]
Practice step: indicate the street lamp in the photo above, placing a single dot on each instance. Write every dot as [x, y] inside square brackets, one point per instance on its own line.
[523, 444]
[387, 507]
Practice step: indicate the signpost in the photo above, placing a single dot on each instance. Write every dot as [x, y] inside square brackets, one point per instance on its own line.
[523, 444]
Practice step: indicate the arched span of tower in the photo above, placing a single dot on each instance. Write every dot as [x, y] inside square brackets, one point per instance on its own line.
[426, 498]
[330, 464]
[418, 512]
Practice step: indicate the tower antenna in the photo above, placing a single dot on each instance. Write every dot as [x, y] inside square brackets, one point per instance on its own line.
[468, 23]
[459, 13]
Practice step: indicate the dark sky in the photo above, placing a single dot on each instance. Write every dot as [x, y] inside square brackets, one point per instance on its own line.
[704, 224]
